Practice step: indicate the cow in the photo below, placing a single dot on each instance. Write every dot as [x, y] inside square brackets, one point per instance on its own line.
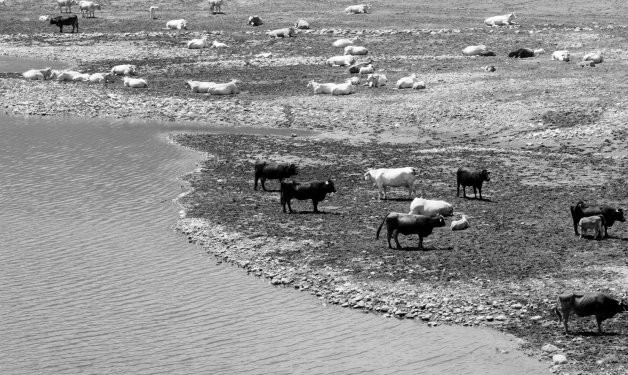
[503, 20]
[522, 53]
[287, 32]
[487, 53]
[609, 214]
[65, 20]
[314, 190]
[461, 224]
[562, 55]
[594, 223]
[429, 207]
[357, 9]
[301, 24]
[474, 50]
[255, 21]
[471, 177]
[215, 6]
[384, 177]
[356, 66]
[67, 4]
[407, 224]
[88, 8]
[601, 305]
[273, 171]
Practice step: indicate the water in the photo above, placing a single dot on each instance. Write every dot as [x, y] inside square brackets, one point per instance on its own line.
[94, 280]
[11, 64]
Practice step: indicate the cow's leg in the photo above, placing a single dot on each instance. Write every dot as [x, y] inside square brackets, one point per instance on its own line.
[464, 191]
[458, 189]
[289, 206]
[315, 203]
[396, 235]
[263, 179]
[475, 193]
[388, 235]
[420, 242]
[480, 190]
[599, 321]
[566, 320]
[61, 28]
[576, 220]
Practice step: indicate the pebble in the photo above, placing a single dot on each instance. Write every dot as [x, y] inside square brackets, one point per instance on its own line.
[549, 348]
[558, 359]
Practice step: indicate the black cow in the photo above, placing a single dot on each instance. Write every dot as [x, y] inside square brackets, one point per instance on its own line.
[255, 21]
[471, 177]
[65, 20]
[487, 53]
[522, 53]
[409, 224]
[315, 190]
[601, 305]
[609, 214]
[273, 171]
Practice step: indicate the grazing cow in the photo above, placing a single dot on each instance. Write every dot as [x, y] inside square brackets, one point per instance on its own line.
[125, 69]
[282, 33]
[199, 86]
[471, 177]
[177, 24]
[503, 20]
[301, 24]
[596, 57]
[407, 224]
[461, 224]
[601, 305]
[255, 21]
[356, 50]
[344, 60]
[609, 214]
[342, 43]
[67, 4]
[229, 88]
[65, 20]
[474, 50]
[593, 223]
[384, 177]
[215, 6]
[429, 207]
[44, 18]
[101, 77]
[561, 55]
[315, 190]
[38, 74]
[136, 83]
[357, 9]
[153, 11]
[522, 53]
[273, 171]
[321, 88]
[376, 80]
[346, 88]
[88, 8]
[410, 82]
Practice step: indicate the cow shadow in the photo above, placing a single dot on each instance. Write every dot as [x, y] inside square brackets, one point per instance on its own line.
[592, 333]
[295, 212]
[487, 200]
[398, 199]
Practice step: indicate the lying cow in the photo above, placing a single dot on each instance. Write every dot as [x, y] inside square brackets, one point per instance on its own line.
[428, 207]
[609, 214]
[273, 171]
[562, 55]
[287, 32]
[65, 20]
[315, 190]
[471, 177]
[522, 53]
[255, 21]
[594, 223]
[503, 20]
[601, 305]
[358, 9]
[384, 177]
[407, 224]
[461, 224]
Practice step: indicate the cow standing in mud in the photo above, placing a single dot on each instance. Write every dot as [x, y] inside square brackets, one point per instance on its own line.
[273, 171]
[601, 305]
[315, 190]
[409, 224]
[470, 177]
[610, 215]
[65, 20]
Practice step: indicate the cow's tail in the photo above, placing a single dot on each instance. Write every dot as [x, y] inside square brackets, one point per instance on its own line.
[380, 227]
[558, 314]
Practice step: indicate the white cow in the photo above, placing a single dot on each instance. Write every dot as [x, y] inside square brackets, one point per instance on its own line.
[200, 86]
[44, 18]
[474, 50]
[67, 4]
[344, 60]
[197, 43]
[67, 75]
[376, 80]
[177, 24]
[410, 82]
[101, 77]
[38, 74]
[353, 80]
[135, 82]
[282, 33]
[357, 9]
[596, 57]
[83, 77]
[153, 11]
[346, 88]
[561, 55]
[217, 44]
[356, 50]
[126, 70]
[88, 8]
[367, 70]
[302, 24]
[384, 177]
[229, 88]
[503, 20]
[345, 42]
[321, 88]
[460, 224]
[594, 223]
[429, 207]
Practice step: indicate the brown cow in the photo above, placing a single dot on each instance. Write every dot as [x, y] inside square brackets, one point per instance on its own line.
[601, 305]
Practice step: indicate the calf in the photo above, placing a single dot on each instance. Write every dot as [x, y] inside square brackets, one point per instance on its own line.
[273, 171]
[593, 223]
[470, 177]
[409, 224]
[601, 305]
[315, 190]
[609, 214]
[65, 20]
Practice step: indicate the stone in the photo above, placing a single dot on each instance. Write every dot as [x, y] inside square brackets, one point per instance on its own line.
[517, 306]
[558, 359]
[501, 318]
[549, 348]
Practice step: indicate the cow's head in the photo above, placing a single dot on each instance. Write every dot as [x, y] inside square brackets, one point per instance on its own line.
[619, 215]
[623, 305]
[292, 169]
[440, 222]
[485, 175]
[512, 16]
[368, 175]
[329, 186]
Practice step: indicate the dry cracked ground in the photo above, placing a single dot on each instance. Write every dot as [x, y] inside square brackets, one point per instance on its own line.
[552, 133]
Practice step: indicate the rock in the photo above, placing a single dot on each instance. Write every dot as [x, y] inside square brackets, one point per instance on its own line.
[536, 318]
[549, 348]
[517, 306]
[426, 317]
[558, 359]
[489, 318]
[501, 318]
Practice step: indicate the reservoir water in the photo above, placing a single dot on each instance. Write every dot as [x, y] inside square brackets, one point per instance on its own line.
[93, 279]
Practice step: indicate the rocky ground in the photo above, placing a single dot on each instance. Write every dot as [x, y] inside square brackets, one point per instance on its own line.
[552, 133]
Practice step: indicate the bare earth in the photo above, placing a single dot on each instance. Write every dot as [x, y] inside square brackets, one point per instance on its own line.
[551, 133]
